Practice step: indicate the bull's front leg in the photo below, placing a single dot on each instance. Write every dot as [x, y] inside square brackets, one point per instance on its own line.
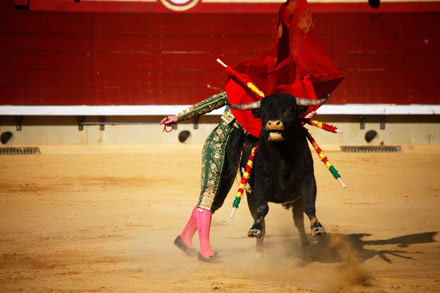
[260, 191]
[253, 210]
[309, 199]
[257, 229]
[298, 219]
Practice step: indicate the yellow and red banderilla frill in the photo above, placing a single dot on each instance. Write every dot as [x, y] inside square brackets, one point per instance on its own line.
[322, 125]
[324, 158]
[253, 90]
[244, 180]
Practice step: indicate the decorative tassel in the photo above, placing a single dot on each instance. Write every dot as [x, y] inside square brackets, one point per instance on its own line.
[244, 180]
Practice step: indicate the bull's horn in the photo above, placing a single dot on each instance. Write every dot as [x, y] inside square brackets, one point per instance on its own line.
[248, 106]
[311, 102]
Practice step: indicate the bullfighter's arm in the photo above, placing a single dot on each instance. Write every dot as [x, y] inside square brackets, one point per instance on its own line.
[203, 107]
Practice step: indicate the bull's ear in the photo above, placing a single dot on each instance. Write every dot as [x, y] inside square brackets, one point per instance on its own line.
[257, 113]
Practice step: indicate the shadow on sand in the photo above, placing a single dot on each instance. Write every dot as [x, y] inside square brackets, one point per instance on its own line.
[355, 248]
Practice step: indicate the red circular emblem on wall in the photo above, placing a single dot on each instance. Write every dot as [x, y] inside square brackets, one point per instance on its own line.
[179, 5]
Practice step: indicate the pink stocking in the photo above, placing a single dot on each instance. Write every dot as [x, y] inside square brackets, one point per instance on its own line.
[190, 228]
[203, 225]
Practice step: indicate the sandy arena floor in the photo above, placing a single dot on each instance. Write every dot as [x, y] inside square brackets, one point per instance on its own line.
[104, 219]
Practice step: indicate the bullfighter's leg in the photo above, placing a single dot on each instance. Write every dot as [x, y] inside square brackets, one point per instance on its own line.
[184, 240]
[298, 219]
[219, 168]
[309, 198]
[204, 217]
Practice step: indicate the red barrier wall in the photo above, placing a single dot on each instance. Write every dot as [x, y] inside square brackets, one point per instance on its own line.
[138, 58]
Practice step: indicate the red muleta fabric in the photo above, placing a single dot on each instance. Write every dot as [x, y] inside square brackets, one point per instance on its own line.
[296, 64]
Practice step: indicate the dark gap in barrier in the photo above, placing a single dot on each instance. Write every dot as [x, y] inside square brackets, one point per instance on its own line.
[20, 151]
[371, 149]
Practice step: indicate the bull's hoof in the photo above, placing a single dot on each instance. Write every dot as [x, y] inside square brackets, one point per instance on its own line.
[318, 229]
[255, 233]
[182, 246]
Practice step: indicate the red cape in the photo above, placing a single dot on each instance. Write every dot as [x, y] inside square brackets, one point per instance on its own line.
[296, 64]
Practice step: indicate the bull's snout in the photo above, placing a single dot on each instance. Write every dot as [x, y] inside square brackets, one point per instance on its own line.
[274, 125]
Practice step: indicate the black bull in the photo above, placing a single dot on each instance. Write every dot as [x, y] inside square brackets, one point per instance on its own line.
[283, 165]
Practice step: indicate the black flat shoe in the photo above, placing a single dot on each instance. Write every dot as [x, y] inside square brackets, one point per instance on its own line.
[212, 259]
[182, 246]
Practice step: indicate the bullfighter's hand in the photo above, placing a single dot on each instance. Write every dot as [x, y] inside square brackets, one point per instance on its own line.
[310, 115]
[170, 120]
